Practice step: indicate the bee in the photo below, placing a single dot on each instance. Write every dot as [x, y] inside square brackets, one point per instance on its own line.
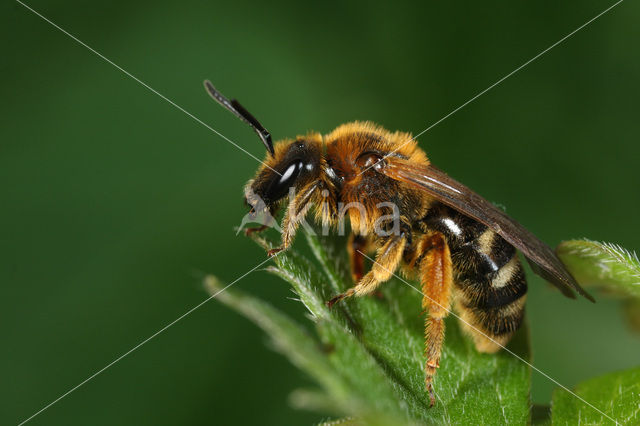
[459, 246]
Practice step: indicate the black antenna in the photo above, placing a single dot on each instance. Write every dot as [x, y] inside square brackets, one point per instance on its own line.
[244, 115]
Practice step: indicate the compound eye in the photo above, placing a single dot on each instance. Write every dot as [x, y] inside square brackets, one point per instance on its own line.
[290, 174]
[370, 159]
[280, 187]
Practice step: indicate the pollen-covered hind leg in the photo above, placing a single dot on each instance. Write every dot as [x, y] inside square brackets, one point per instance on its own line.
[356, 247]
[386, 263]
[435, 271]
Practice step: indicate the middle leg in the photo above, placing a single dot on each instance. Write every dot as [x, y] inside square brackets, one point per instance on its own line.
[386, 262]
[357, 246]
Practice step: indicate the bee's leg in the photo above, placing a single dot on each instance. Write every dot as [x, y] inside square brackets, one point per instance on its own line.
[436, 277]
[269, 220]
[356, 246]
[256, 229]
[294, 214]
[387, 261]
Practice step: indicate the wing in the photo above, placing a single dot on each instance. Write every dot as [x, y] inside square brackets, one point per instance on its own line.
[436, 183]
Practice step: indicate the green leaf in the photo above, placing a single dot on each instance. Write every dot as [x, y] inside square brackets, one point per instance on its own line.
[302, 349]
[609, 267]
[347, 421]
[367, 354]
[602, 264]
[615, 394]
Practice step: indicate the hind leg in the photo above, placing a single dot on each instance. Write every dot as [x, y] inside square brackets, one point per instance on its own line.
[436, 276]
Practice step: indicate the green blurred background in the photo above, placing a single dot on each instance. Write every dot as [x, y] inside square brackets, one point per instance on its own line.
[114, 201]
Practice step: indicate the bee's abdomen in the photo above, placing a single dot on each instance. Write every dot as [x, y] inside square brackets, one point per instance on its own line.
[494, 300]
[490, 283]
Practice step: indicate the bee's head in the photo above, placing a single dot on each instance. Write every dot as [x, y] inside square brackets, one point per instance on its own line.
[291, 164]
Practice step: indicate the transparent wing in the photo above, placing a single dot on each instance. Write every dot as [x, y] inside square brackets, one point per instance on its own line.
[440, 186]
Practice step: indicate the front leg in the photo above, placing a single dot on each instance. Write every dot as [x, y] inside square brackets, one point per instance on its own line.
[293, 216]
[255, 230]
[266, 223]
[387, 261]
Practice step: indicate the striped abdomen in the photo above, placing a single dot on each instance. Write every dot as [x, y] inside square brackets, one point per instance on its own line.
[489, 279]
